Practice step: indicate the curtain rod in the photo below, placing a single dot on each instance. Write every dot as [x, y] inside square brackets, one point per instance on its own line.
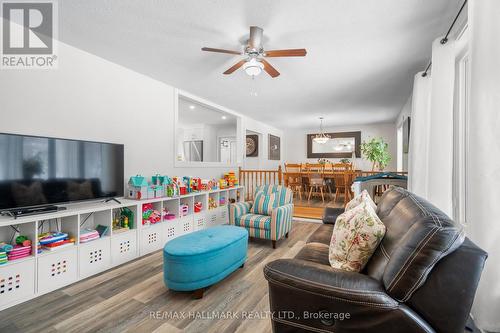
[445, 39]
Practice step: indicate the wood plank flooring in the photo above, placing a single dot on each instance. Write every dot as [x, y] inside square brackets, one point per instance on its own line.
[133, 298]
[313, 209]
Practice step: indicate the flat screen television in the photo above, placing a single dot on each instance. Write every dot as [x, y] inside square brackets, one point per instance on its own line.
[40, 171]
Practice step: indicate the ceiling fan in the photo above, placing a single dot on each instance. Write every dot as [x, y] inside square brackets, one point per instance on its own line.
[254, 62]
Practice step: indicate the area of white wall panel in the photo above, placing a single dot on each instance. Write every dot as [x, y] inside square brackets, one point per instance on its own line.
[89, 98]
[296, 142]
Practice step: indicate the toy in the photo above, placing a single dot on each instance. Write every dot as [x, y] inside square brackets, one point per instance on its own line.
[23, 241]
[204, 185]
[127, 218]
[3, 258]
[197, 184]
[231, 179]
[125, 223]
[87, 235]
[102, 230]
[188, 182]
[4, 247]
[59, 244]
[222, 183]
[198, 207]
[158, 191]
[169, 190]
[151, 191]
[160, 180]
[51, 237]
[158, 184]
[167, 215]
[138, 187]
[19, 252]
[123, 219]
[150, 215]
[213, 184]
[183, 210]
[212, 204]
[222, 201]
[181, 186]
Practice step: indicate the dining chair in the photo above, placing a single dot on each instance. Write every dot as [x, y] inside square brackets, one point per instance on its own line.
[316, 182]
[350, 175]
[294, 178]
[329, 180]
[339, 178]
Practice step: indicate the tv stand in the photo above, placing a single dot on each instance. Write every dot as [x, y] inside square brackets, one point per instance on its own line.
[15, 213]
[113, 199]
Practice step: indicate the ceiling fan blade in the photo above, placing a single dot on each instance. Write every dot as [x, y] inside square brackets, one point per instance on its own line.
[209, 49]
[286, 53]
[270, 69]
[255, 40]
[235, 67]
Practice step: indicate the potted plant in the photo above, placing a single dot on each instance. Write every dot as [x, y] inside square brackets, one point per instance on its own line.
[376, 151]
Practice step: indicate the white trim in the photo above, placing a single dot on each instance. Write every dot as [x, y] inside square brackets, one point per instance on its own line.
[399, 147]
[461, 130]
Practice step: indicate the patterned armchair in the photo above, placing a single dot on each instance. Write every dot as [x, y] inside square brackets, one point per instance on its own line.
[272, 227]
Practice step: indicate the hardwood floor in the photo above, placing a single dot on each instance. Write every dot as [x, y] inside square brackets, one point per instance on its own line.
[313, 209]
[133, 298]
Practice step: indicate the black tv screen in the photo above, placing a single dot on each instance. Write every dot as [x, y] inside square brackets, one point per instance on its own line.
[38, 171]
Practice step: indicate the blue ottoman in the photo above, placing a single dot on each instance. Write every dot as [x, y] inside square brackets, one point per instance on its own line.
[202, 258]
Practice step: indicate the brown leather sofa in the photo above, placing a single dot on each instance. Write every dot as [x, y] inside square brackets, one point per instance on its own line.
[422, 278]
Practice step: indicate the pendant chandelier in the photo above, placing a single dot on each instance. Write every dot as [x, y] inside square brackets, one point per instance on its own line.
[321, 137]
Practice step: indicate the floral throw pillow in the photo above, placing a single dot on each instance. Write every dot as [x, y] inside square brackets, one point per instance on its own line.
[362, 197]
[355, 237]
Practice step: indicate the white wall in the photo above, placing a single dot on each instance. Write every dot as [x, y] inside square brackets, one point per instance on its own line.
[89, 98]
[296, 148]
[262, 161]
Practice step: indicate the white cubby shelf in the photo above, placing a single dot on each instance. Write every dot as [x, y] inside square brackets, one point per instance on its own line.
[46, 271]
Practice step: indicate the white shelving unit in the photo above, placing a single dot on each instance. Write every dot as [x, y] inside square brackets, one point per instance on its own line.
[40, 273]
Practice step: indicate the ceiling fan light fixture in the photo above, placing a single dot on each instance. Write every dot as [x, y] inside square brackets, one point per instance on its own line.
[253, 67]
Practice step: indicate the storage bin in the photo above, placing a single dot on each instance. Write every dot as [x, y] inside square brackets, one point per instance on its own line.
[94, 257]
[151, 238]
[17, 282]
[184, 225]
[223, 215]
[58, 269]
[200, 221]
[123, 247]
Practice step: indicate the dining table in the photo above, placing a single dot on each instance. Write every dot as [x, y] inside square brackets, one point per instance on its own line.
[349, 177]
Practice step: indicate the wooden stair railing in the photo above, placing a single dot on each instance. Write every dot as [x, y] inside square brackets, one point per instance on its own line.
[250, 179]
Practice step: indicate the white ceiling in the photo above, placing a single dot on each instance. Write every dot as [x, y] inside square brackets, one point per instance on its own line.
[362, 54]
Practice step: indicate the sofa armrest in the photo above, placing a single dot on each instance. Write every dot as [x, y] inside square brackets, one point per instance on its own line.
[281, 221]
[343, 286]
[330, 214]
[238, 209]
[313, 297]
